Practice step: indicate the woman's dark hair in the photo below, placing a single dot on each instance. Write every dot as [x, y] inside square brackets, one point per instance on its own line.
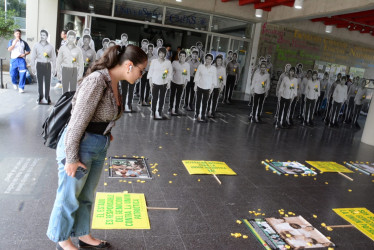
[293, 69]
[117, 55]
[315, 73]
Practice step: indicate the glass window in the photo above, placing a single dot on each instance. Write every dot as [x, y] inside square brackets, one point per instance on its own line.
[138, 11]
[71, 22]
[231, 27]
[187, 19]
[101, 7]
[220, 45]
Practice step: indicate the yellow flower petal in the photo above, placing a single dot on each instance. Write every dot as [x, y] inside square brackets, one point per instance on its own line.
[245, 236]
[314, 216]
[323, 224]
[105, 184]
[239, 221]
[170, 182]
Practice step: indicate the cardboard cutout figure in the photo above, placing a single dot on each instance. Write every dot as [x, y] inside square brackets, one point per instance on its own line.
[217, 89]
[159, 44]
[159, 75]
[352, 90]
[324, 87]
[269, 65]
[101, 51]
[70, 64]
[360, 99]
[189, 57]
[190, 92]
[112, 43]
[312, 93]
[287, 92]
[329, 98]
[259, 89]
[86, 31]
[205, 80]
[43, 64]
[301, 92]
[233, 73]
[144, 84]
[124, 40]
[339, 96]
[201, 54]
[228, 58]
[89, 54]
[181, 75]
[144, 45]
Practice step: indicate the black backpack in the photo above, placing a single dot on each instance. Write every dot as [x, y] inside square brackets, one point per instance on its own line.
[57, 120]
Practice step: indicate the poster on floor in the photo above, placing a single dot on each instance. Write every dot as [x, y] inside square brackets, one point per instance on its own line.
[129, 168]
[120, 211]
[208, 167]
[299, 233]
[360, 217]
[293, 168]
[367, 168]
[265, 234]
[329, 166]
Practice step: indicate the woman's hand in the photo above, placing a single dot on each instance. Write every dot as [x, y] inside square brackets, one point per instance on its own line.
[71, 168]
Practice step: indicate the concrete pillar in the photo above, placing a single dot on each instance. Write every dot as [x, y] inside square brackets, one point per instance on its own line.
[368, 134]
[252, 62]
[41, 14]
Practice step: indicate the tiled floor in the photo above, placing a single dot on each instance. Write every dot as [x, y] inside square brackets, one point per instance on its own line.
[207, 211]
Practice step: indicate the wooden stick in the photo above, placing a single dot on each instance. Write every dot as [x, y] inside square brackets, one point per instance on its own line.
[162, 208]
[347, 177]
[215, 176]
[338, 226]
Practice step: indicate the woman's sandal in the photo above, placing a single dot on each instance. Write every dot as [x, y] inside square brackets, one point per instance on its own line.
[103, 244]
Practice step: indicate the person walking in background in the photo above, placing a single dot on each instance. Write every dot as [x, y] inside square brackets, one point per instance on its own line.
[19, 49]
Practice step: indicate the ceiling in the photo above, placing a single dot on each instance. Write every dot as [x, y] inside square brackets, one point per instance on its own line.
[362, 21]
[358, 21]
[265, 5]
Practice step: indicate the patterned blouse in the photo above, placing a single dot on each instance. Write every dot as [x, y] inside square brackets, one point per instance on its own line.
[93, 101]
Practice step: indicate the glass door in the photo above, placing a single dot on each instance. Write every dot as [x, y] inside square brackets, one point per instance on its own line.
[241, 48]
[219, 45]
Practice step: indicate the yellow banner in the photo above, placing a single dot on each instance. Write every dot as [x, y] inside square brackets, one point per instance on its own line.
[359, 217]
[329, 166]
[120, 211]
[208, 167]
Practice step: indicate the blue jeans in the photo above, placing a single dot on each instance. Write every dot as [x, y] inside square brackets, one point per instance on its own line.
[71, 213]
[18, 68]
